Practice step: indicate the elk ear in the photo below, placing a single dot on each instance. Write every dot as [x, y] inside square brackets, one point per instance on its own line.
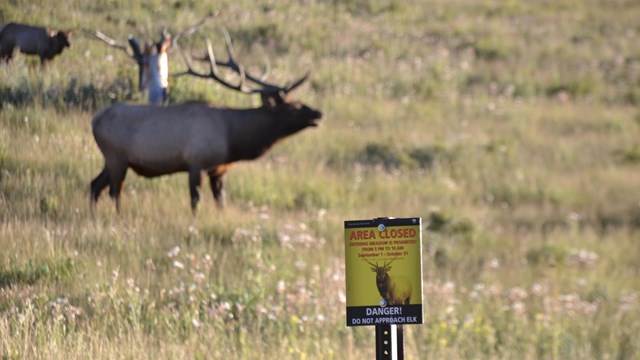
[268, 101]
[164, 46]
[373, 269]
[271, 101]
[135, 46]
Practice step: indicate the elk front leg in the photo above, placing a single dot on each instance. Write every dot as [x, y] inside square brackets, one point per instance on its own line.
[194, 187]
[6, 53]
[98, 184]
[217, 187]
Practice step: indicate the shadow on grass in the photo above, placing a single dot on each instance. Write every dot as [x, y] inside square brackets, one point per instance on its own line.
[32, 273]
[72, 95]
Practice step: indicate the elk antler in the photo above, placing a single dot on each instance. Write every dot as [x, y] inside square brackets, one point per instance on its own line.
[265, 88]
[372, 264]
[190, 30]
[111, 42]
[387, 265]
[133, 50]
[233, 65]
[213, 72]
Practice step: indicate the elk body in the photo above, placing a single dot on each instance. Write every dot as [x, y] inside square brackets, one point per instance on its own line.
[396, 290]
[193, 137]
[32, 40]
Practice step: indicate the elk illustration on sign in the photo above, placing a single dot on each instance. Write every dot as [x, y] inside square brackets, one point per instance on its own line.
[396, 289]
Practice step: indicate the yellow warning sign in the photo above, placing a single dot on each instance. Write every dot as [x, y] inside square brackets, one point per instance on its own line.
[384, 271]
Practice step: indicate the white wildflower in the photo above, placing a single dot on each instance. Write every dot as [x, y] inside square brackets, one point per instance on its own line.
[173, 252]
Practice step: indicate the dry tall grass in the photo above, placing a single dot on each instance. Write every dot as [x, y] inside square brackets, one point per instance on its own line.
[511, 128]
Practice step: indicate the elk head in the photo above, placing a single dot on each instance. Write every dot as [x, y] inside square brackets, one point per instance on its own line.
[382, 274]
[152, 60]
[63, 39]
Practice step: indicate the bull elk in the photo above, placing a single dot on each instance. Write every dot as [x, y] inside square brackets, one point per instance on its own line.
[32, 40]
[194, 136]
[152, 60]
[395, 290]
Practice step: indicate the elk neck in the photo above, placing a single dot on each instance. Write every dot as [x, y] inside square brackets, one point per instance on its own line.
[252, 132]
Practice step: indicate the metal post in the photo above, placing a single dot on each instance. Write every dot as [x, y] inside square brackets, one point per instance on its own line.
[400, 342]
[383, 342]
[389, 342]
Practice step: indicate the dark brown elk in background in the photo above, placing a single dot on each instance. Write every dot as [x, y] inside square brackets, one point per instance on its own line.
[194, 136]
[32, 40]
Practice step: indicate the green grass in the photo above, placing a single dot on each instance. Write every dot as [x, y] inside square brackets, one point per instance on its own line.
[511, 128]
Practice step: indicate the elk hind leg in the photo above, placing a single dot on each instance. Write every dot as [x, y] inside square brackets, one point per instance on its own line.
[217, 187]
[195, 179]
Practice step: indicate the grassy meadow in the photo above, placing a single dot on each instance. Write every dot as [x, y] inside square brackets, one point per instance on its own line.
[511, 128]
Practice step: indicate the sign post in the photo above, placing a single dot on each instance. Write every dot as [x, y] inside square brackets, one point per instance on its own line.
[384, 278]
